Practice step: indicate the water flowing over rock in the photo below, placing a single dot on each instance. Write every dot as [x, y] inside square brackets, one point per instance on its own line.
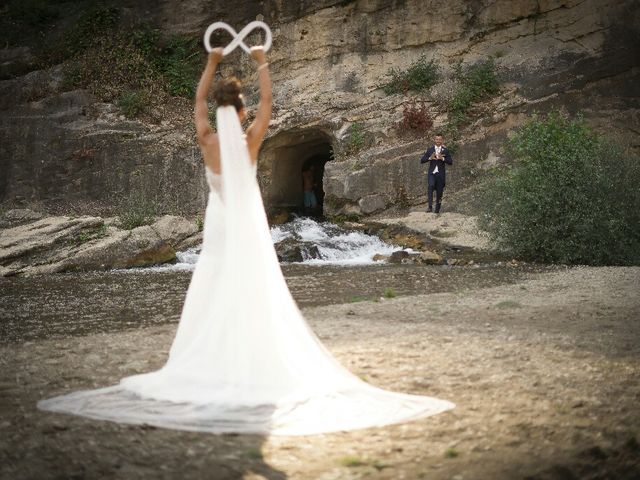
[305, 240]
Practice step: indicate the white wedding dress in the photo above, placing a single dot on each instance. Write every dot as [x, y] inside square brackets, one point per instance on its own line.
[243, 358]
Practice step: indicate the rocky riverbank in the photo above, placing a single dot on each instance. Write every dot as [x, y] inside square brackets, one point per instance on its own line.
[32, 244]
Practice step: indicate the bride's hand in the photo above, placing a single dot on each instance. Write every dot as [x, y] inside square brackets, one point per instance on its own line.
[216, 55]
[258, 55]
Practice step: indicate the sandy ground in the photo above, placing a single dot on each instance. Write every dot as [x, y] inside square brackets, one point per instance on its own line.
[545, 374]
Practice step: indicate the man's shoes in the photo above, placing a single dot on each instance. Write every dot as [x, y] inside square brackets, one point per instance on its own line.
[429, 210]
[438, 208]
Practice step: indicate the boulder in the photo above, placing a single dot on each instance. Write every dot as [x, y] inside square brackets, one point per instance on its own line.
[430, 258]
[288, 250]
[293, 250]
[189, 242]
[279, 217]
[174, 230]
[378, 257]
[398, 256]
[144, 247]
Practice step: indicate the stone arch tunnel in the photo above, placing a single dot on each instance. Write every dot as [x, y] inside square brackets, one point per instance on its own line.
[282, 160]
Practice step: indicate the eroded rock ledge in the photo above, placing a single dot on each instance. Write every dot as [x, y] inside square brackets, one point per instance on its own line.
[65, 243]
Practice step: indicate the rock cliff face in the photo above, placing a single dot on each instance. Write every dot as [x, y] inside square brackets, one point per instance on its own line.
[64, 149]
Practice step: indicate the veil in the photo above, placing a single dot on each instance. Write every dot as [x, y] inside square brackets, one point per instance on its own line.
[244, 359]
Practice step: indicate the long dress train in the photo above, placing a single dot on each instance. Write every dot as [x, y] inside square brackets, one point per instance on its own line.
[243, 358]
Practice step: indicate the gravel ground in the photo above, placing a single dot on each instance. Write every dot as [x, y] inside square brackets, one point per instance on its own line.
[544, 372]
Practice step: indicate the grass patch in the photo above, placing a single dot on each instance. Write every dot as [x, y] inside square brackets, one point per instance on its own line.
[358, 299]
[356, 138]
[199, 223]
[451, 453]
[420, 75]
[137, 211]
[389, 293]
[89, 235]
[508, 304]
[352, 461]
[254, 454]
[346, 217]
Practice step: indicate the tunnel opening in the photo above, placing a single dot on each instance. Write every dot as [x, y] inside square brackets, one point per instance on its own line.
[286, 159]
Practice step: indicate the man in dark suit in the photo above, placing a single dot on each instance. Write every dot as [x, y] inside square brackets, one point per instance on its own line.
[437, 155]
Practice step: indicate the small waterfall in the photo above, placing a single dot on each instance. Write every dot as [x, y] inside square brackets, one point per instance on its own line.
[335, 245]
[320, 244]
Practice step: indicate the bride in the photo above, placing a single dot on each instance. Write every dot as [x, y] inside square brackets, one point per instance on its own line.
[243, 358]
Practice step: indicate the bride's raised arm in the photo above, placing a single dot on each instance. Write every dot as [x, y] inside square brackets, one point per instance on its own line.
[258, 129]
[204, 131]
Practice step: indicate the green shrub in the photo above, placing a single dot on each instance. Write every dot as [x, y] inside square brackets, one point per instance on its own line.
[420, 76]
[133, 103]
[389, 292]
[108, 59]
[112, 68]
[572, 197]
[180, 62]
[356, 138]
[451, 453]
[476, 83]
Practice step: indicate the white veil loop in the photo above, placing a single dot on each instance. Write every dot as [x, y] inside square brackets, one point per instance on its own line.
[244, 359]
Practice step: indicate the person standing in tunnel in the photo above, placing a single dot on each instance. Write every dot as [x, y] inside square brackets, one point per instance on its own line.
[438, 156]
[308, 187]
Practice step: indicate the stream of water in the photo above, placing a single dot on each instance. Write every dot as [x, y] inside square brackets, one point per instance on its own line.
[74, 304]
[335, 245]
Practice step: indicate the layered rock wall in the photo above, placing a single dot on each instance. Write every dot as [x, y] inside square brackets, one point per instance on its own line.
[63, 149]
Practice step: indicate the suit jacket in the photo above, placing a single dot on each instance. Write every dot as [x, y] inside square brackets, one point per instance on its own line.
[437, 163]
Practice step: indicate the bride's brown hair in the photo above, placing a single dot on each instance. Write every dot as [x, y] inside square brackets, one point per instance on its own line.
[228, 91]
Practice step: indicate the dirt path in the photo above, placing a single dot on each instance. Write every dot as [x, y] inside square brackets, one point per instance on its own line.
[545, 374]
